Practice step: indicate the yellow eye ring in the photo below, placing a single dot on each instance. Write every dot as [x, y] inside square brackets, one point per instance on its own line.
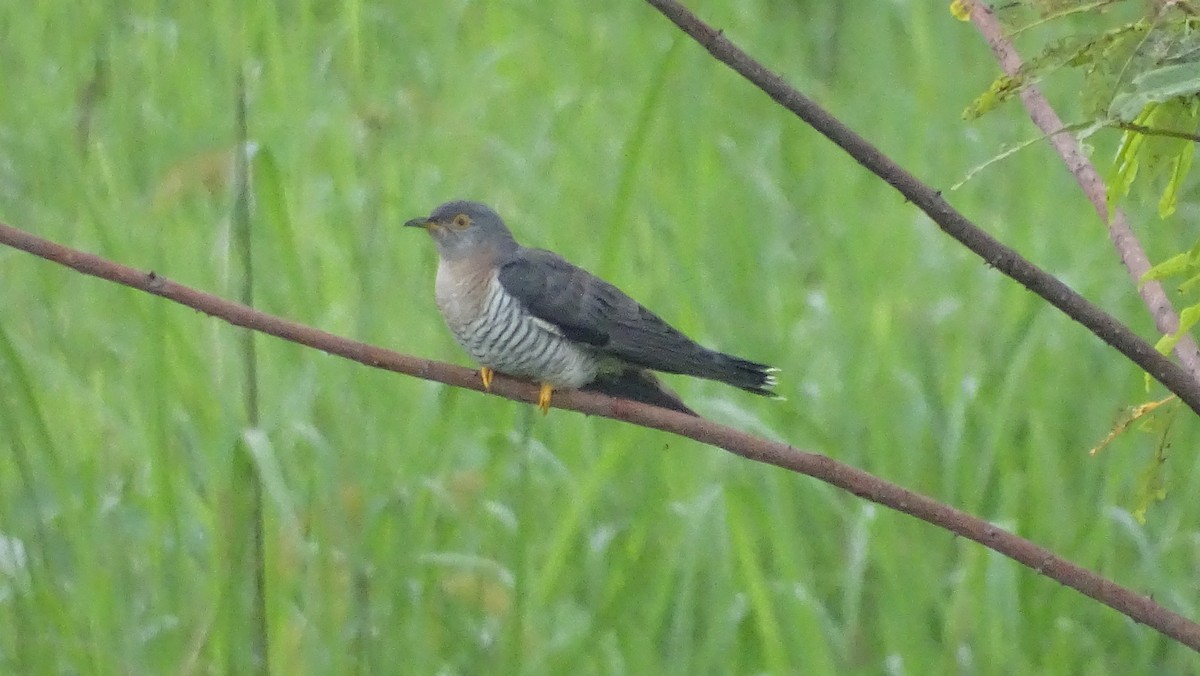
[461, 221]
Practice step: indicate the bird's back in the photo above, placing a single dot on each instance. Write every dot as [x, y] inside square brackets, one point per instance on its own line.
[591, 311]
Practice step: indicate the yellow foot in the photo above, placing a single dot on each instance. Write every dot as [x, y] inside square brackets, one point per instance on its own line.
[544, 397]
[485, 374]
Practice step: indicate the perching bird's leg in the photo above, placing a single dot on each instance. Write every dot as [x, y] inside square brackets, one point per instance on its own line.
[544, 397]
[485, 374]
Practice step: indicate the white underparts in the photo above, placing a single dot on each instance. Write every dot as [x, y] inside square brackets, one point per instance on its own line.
[498, 332]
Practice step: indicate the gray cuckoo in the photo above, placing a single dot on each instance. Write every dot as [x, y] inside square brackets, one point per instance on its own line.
[529, 313]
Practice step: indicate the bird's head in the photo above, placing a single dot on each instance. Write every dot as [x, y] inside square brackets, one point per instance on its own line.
[464, 229]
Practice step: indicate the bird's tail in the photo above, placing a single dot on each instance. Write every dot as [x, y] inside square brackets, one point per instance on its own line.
[748, 375]
[639, 385]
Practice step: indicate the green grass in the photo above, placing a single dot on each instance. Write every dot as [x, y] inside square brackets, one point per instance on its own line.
[410, 524]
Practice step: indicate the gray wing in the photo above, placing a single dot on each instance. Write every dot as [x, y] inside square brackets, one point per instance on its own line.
[589, 310]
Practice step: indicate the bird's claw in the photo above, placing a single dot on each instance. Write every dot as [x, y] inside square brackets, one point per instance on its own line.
[485, 374]
[544, 397]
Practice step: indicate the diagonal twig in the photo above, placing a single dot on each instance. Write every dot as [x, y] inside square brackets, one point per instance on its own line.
[1136, 606]
[953, 223]
[1132, 254]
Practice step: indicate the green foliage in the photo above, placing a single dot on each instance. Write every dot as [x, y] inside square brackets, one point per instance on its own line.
[1151, 484]
[1141, 75]
[1188, 318]
[1095, 53]
[416, 527]
[1154, 419]
[1167, 157]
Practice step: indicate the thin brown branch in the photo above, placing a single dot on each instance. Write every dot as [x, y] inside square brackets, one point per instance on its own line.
[1132, 254]
[1136, 606]
[994, 253]
[953, 223]
[1155, 131]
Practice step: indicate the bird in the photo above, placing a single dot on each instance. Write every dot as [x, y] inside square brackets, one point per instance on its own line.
[531, 314]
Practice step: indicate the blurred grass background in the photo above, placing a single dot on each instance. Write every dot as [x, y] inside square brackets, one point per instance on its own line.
[412, 528]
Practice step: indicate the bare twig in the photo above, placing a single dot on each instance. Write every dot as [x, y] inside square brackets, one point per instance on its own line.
[1136, 606]
[1155, 131]
[993, 252]
[1133, 256]
[953, 223]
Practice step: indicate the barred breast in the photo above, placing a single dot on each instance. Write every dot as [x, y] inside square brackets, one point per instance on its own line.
[499, 333]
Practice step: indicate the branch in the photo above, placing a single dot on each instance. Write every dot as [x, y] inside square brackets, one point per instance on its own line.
[1143, 129]
[953, 223]
[1136, 606]
[1133, 256]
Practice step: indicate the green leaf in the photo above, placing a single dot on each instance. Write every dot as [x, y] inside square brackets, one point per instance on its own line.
[1151, 483]
[1109, 65]
[1187, 319]
[1126, 165]
[1155, 86]
[959, 10]
[1179, 171]
[1190, 284]
[1002, 89]
[1070, 51]
[1156, 145]
[1174, 266]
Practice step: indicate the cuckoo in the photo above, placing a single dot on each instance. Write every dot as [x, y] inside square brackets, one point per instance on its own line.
[529, 313]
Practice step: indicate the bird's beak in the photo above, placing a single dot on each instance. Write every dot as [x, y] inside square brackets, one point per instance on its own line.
[420, 223]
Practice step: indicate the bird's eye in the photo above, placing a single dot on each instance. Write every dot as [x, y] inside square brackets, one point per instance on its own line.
[461, 221]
